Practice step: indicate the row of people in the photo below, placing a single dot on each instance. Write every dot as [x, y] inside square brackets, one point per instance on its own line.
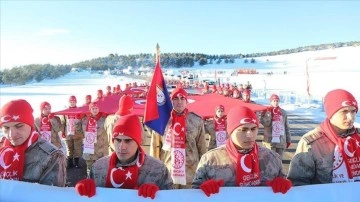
[326, 154]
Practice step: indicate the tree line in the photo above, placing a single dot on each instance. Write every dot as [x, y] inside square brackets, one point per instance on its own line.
[38, 72]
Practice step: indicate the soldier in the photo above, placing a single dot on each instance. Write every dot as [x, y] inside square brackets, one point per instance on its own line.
[25, 156]
[241, 162]
[100, 96]
[246, 95]
[87, 100]
[129, 158]
[217, 128]
[330, 153]
[73, 135]
[49, 125]
[277, 135]
[96, 141]
[184, 142]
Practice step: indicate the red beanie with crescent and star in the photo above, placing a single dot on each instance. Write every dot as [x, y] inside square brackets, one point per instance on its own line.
[238, 116]
[43, 105]
[179, 92]
[128, 125]
[17, 111]
[274, 97]
[93, 104]
[337, 99]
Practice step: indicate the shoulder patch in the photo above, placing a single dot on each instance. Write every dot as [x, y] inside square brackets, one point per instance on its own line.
[313, 135]
[47, 147]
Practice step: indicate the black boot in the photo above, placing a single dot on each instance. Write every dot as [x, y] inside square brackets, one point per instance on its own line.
[76, 163]
[70, 163]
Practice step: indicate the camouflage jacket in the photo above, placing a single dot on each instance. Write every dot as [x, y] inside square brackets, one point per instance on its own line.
[266, 121]
[44, 164]
[313, 159]
[216, 164]
[210, 129]
[56, 127]
[102, 141]
[195, 145]
[152, 171]
[79, 133]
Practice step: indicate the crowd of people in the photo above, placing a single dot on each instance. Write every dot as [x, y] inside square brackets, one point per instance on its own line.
[111, 145]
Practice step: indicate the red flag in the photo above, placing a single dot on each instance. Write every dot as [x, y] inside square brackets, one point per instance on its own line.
[158, 104]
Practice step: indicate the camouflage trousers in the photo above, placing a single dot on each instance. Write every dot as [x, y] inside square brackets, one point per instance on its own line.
[280, 151]
[74, 148]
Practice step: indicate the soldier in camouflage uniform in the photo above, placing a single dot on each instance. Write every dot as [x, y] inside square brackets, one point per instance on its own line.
[26, 156]
[330, 153]
[241, 162]
[195, 143]
[93, 125]
[220, 119]
[73, 135]
[277, 135]
[147, 174]
[49, 125]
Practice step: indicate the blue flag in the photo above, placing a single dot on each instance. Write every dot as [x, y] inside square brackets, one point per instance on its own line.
[158, 104]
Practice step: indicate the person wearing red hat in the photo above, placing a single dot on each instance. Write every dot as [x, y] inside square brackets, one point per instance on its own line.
[185, 136]
[216, 128]
[246, 96]
[277, 136]
[240, 162]
[128, 167]
[126, 105]
[73, 135]
[99, 96]
[24, 156]
[330, 153]
[95, 143]
[87, 100]
[49, 125]
[108, 91]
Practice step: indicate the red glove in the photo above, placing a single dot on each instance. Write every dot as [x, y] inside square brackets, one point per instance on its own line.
[86, 187]
[288, 144]
[148, 190]
[211, 186]
[279, 184]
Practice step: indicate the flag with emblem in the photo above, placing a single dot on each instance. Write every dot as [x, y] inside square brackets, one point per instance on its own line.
[158, 104]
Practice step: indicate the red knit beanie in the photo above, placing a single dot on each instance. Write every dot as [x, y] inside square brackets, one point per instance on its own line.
[17, 111]
[93, 104]
[337, 99]
[88, 97]
[238, 116]
[43, 105]
[274, 97]
[179, 92]
[100, 92]
[72, 98]
[246, 92]
[220, 107]
[125, 104]
[128, 125]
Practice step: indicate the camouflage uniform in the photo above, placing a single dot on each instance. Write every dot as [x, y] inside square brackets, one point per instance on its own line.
[266, 121]
[73, 142]
[152, 171]
[44, 164]
[56, 127]
[109, 126]
[195, 147]
[216, 164]
[313, 159]
[101, 145]
[210, 129]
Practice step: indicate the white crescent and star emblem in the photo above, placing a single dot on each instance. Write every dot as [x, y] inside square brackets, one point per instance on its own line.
[44, 120]
[2, 163]
[247, 120]
[346, 149]
[5, 118]
[348, 103]
[242, 164]
[114, 184]
[175, 126]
